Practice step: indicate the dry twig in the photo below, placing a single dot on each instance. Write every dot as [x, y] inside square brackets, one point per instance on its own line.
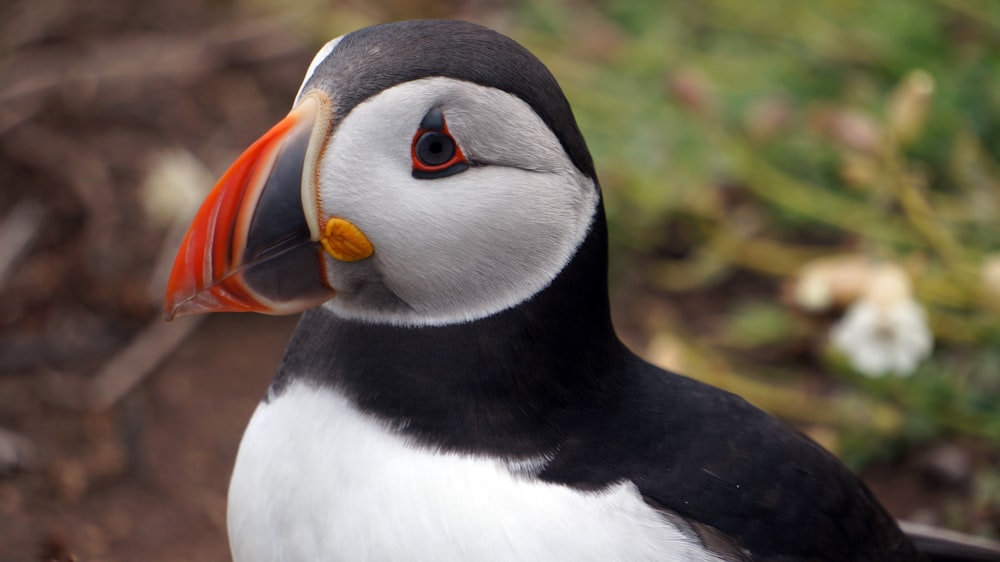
[136, 361]
[17, 232]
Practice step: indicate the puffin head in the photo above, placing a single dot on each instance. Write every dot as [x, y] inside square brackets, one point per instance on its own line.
[429, 173]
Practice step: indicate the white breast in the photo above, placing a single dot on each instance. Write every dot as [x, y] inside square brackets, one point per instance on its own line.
[316, 480]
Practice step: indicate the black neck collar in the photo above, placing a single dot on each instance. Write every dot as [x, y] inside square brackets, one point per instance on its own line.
[503, 385]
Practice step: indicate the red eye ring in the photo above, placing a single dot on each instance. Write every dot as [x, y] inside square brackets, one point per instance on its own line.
[434, 151]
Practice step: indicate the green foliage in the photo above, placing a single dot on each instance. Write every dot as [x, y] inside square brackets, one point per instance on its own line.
[757, 324]
[753, 136]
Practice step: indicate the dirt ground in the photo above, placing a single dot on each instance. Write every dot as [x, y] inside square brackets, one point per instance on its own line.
[148, 480]
[91, 95]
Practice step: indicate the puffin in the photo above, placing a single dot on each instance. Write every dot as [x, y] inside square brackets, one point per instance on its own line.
[455, 389]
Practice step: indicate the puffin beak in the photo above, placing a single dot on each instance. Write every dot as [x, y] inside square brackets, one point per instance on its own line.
[254, 245]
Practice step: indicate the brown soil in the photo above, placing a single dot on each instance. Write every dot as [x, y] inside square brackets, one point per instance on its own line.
[148, 480]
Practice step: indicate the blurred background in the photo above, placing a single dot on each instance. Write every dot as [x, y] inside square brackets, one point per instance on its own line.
[803, 199]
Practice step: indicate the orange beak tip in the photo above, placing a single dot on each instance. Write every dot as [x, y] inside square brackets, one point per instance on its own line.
[174, 309]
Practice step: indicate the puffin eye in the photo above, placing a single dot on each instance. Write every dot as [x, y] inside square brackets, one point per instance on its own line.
[434, 149]
[435, 152]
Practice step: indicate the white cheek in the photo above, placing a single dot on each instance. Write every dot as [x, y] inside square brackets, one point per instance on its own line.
[460, 247]
[485, 239]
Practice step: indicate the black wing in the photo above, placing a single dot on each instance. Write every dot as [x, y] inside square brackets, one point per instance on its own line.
[714, 460]
[940, 545]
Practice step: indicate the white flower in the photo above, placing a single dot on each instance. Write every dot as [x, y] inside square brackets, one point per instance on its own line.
[885, 331]
[175, 186]
[990, 275]
[833, 281]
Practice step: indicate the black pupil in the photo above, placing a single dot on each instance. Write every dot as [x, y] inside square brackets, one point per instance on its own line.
[434, 149]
